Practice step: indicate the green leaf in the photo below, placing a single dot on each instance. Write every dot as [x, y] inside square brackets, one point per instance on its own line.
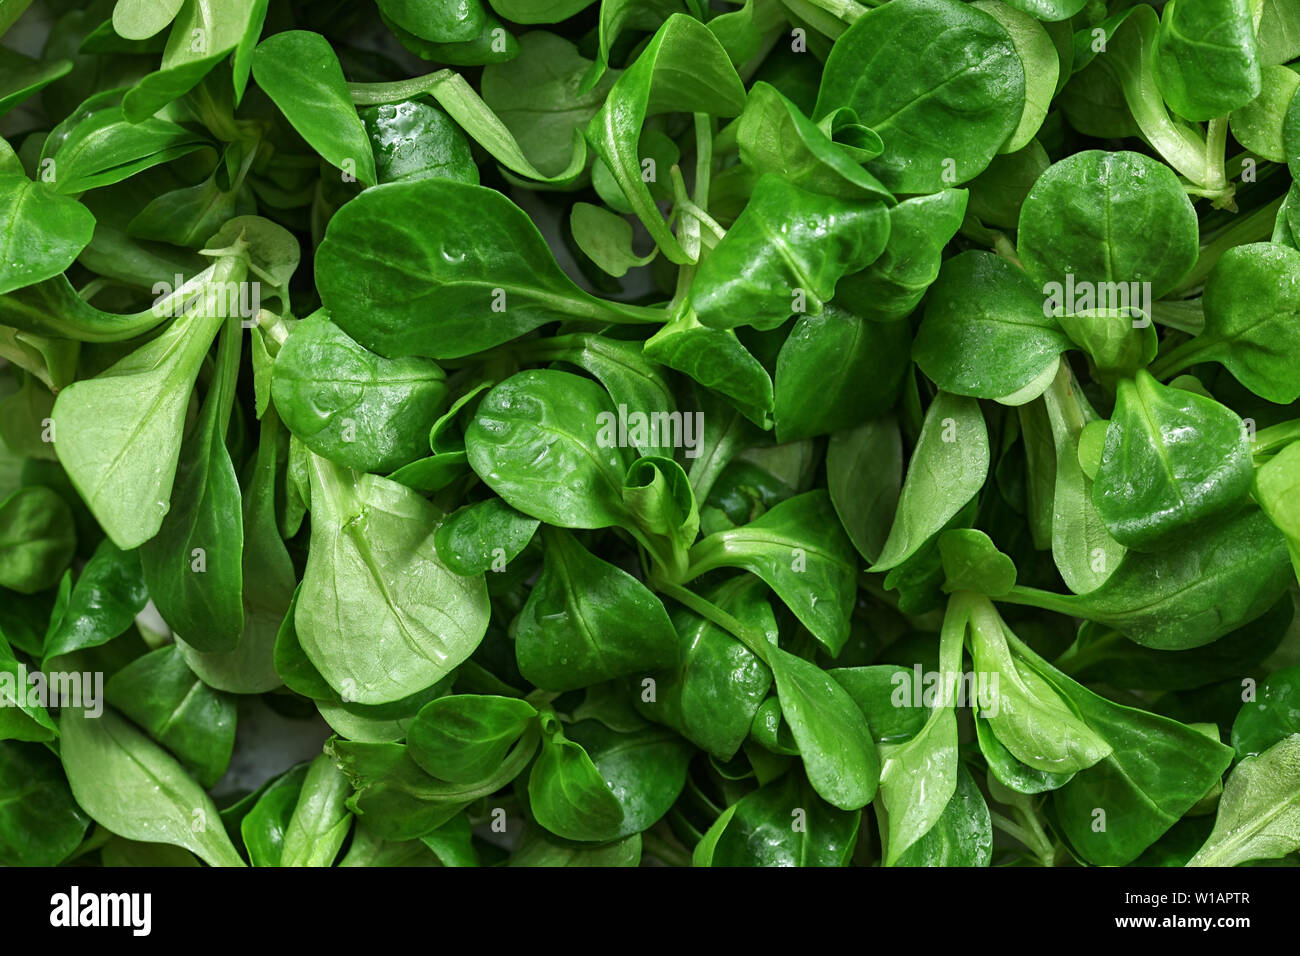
[1271, 715]
[586, 621]
[463, 738]
[442, 21]
[606, 238]
[162, 695]
[947, 469]
[784, 255]
[774, 136]
[918, 777]
[566, 792]
[940, 82]
[37, 539]
[985, 333]
[358, 409]
[109, 593]
[711, 696]
[41, 232]
[864, 473]
[839, 755]
[374, 580]
[1187, 596]
[130, 785]
[1259, 812]
[491, 283]
[300, 72]
[800, 550]
[547, 442]
[194, 565]
[98, 146]
[320, 820]
[539, 98]
[781, 824]
[972, 562]
[414, 140]
[141, 19]
[644, 769]
[1250, 321]
[1172, 459]
[1111, 221]
[1200, 39]
[963, 834]
[682, 69]
[263, 827]
[119, 434]
[919, 228]
[40, 824]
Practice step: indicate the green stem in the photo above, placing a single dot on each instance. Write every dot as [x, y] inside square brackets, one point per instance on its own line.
[1276, 437]
[1254, 226]
[1042, 844]
[1072, 660]
[664, 849]
[726, 139]
[846, 10]
[1184, 315]
[1182, 357]
[1012, 830]
[1037, 597]
[375, 94]
[703, 159]
[1216, 142]
[752, 639]
[228, 349]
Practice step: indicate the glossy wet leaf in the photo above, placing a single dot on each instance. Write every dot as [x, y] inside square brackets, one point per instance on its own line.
[1190, 595]
[1146, 234]
[908, 70]
[799, 549]
[783, 824]
[963, 834]
[108, 594]
[645, 769]
[1203, 38]
[834, 740]
[784, 255]
[1272, 715]
[41, 232]
[984, 333]
[484, 536]
[567, 794]
[547, 443]
[1172, 459]
[586, 621]
[368, 412]
[775, 136]
[919, 228]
